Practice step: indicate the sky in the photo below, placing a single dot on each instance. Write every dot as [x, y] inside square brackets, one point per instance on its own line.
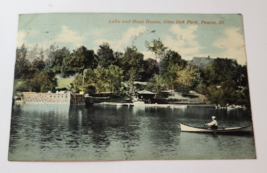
[191, 35]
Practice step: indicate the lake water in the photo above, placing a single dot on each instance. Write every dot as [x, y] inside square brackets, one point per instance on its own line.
[63, 132]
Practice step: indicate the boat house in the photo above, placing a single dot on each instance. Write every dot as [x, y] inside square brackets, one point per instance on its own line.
[147, 96]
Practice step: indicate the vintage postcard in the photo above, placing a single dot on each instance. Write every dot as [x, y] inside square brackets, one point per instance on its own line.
[92, 86]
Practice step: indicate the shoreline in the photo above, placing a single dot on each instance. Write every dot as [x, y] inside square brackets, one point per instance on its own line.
[156, 105]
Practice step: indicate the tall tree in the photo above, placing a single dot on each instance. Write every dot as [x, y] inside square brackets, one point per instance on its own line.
[22, 65]
[115, 78]
[50, 53]
[133, 65]
[171, 58]
[42, 82]
[60, 61]
[221, 70]
[38, 63]
[105, 55]
[151, 68]
[187, 78]
[101, 80]
[157, 47]
[81, 59]
[156, 84]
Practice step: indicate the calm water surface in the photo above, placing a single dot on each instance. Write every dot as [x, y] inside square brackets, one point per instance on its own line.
[63, 132]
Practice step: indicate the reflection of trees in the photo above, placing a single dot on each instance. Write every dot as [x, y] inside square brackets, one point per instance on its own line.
[113, 124]
[14, 129]
[99, 132]
[163, 128]
[52, 125]
[35, 126]
[95, 130]
[127, 130]
[45, 129]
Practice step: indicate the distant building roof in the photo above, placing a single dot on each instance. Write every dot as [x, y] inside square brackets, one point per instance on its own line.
[145, 92]
[201, 61]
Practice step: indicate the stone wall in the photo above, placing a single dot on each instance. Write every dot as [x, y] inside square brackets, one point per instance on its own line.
[66, 98]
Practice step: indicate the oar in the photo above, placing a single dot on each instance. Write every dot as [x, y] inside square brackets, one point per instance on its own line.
[204, 126]
[213, 130]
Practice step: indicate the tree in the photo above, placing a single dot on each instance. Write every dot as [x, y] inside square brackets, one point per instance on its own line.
[132, 64]
[50, 52]
[221, 70]
[187, 78]
[169, 67]
[215, 95]
[170, 77]
[105, 55]
[81, 59]
[40, 82]
[225, 82]
[38, 64]
[156, 84]
[101, 80]
[66, 63]
[22, 66]
[157, 47]
[115, 79]
[243, 77]
[61, 62]
[151, 68]
[171, 58]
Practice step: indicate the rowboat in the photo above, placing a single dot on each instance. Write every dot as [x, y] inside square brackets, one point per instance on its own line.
[187, 128]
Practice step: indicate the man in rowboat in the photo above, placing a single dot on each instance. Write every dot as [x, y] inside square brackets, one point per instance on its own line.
[213, 124]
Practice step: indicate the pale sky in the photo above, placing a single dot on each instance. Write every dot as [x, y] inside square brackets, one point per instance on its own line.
[189, 39]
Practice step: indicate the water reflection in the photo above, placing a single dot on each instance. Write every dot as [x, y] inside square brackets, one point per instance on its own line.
[64, 132]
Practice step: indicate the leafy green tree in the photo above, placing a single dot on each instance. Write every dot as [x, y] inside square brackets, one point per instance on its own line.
[23, 65]
[187, 78]
[170, 77]
[226, 93]
[115, 79]
[156, 84]
[40, 82]
[58, 63]
[50, 52]
[151, 68]
[43, 82]
[157, 47]
[66, 63]
[171, 58]
[243, 76]
[226, 82]
[132, 59]
[132, 64]
[215, 95]
[105, 55]
[38, 64]
[221, 70]
[101, 80]
[82, 58]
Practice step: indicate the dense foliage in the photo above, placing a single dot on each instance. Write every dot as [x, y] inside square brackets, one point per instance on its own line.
[223, 81]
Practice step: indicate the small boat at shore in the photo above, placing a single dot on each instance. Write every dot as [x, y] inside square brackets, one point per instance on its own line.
[230, 130]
